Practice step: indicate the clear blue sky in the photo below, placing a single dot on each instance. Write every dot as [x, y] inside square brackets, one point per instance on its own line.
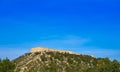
[83, 26]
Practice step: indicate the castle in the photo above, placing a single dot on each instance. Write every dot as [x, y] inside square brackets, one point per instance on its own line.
[43, 49]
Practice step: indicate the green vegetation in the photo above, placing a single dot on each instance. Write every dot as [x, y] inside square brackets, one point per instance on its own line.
[6, 65]
[58, 62]
[65, 62]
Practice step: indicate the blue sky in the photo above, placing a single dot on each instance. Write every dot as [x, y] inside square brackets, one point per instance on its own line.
[83, 26]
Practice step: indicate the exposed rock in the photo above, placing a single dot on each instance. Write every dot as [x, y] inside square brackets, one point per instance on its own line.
[43, 49]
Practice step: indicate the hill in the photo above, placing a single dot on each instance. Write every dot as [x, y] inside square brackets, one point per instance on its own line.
[65, 61]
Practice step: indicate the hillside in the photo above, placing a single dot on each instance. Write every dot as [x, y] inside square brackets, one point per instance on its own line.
[55, 61]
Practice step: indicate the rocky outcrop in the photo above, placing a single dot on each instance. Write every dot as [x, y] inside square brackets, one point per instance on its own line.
[42, 49]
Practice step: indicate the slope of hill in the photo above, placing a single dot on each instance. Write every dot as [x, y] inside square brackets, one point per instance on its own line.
[55, 61]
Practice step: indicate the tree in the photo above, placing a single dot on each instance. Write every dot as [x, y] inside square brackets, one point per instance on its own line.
[6, 65]
[115, 66]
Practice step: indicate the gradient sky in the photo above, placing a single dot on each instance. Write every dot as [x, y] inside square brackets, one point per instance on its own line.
[83, 26]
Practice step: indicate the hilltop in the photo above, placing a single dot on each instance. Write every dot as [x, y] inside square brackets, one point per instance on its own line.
[50, 60]
[43, 49]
